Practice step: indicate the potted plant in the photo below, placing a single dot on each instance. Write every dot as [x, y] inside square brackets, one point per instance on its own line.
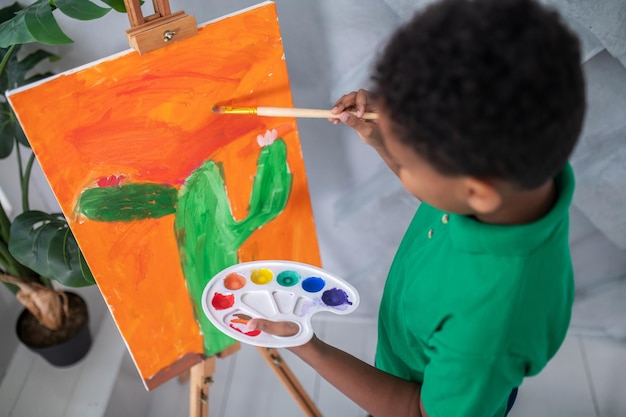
[38, 248]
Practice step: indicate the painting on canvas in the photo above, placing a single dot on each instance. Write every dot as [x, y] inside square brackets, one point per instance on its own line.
[161, 193]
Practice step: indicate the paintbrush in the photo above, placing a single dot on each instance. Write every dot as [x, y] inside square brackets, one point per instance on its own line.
[286, 112]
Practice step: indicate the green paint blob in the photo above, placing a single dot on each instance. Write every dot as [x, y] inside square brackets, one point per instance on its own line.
[208, 235]
[288, 278]
[128, 202]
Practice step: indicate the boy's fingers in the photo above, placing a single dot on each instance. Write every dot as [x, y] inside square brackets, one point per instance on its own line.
[352, 121]
[356, 101]
[344, 102]
[361, 102]
[337, 108]
[277, 328]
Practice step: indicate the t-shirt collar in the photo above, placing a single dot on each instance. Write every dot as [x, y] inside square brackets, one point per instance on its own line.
[471, 235]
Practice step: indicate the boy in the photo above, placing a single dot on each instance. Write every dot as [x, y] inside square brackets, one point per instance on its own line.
[480, 103]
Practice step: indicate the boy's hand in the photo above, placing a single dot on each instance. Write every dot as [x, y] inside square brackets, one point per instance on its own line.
[277, 328]
[281, 328]
[359, 102]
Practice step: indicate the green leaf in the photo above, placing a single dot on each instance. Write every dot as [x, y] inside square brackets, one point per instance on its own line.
[38, 77]
[14, 31]
[14, 76]
[35, 23]
[20, 135]
[6, 146]
[44, 243]
[6, 131]
[86, 271]
[31, 60]
[117, 5]
[8, 57]
[81, 9]
[42, 25]
[8, 12]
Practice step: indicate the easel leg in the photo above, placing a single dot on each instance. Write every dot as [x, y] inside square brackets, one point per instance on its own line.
[282, 371]
[201, 379]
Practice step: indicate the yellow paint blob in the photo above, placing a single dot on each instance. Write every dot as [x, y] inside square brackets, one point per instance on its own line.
[261, 276]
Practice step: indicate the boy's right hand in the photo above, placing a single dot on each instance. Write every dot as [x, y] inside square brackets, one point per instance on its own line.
[359, 102]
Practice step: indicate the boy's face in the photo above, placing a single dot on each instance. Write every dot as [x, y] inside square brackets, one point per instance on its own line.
[420, 179]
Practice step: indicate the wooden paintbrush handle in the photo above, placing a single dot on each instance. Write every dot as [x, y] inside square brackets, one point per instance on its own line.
[310, 113]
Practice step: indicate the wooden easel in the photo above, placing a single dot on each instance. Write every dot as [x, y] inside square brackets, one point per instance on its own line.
[148, 34]
[202, 378]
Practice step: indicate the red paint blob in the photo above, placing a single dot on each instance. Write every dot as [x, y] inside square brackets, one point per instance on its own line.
[222, 301]
[250, 333]
[111, 181]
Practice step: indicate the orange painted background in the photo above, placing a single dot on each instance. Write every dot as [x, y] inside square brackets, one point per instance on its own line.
[149, 118]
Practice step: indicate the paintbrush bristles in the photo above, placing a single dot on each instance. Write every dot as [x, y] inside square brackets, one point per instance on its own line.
[285, 112]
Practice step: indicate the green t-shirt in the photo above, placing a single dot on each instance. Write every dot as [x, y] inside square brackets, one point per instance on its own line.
[469, 309]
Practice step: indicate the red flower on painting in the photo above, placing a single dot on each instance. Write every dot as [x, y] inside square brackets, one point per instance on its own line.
[112, 181]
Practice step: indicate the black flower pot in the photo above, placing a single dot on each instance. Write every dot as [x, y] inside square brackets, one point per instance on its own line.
[63, 347]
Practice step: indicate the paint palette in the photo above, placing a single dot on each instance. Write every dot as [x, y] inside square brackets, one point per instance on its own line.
[277, 291]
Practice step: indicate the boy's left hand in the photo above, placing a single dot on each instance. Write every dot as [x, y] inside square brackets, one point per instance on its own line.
[277, 328]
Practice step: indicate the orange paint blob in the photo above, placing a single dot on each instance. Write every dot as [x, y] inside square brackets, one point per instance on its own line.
[234, 281]
[239, 322]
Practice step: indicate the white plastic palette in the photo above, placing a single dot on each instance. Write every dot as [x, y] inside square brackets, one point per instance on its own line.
[277, 291]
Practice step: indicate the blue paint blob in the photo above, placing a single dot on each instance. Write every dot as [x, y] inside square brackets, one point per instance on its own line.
[335, 297]
[313, 284]
[288, 278]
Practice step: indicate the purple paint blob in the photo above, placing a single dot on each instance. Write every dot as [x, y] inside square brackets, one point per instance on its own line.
[313, 284]
[335, 297]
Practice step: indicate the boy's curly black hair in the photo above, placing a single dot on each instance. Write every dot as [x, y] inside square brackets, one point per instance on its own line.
[485, 88]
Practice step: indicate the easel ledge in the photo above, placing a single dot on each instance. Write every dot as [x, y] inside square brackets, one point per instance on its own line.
[159, 29]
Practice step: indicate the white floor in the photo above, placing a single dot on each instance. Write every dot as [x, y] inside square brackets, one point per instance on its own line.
[587, 378]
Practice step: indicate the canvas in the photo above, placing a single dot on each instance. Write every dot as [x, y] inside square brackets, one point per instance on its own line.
[160, 193]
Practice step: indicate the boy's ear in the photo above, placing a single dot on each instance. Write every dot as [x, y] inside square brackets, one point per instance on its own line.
[482, 196]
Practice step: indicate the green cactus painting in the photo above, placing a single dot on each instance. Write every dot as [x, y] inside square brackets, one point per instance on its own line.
[160, 192]
[207, 234]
